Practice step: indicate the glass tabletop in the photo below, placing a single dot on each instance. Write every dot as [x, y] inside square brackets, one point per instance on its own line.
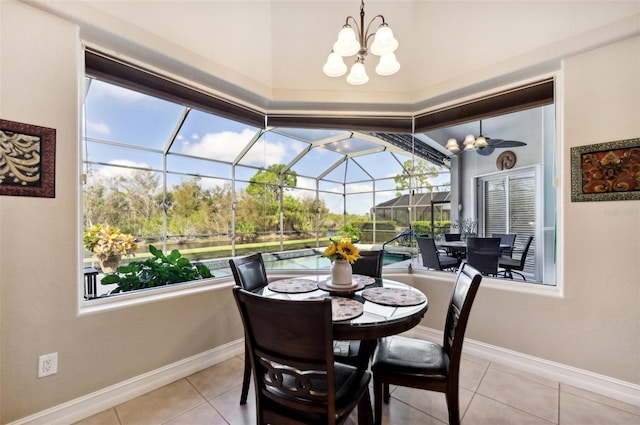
[376, 320]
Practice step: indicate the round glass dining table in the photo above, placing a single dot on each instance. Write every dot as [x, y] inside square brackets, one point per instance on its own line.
[383, 307]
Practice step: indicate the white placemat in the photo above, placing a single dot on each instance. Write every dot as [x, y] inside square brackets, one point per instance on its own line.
[366, 280]
[396, 297]
[293, 286]
[343, 308]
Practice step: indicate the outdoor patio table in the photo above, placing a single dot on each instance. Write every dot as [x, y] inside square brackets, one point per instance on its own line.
[462, 245]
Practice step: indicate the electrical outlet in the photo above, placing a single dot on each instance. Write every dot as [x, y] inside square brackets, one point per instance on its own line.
[47, 365]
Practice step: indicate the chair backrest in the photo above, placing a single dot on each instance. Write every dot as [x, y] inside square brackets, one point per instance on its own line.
[483, 254]
[523, 258]
[464, 292]
[429, 253]
[452, 237]
[506, 239]
[291, 341]
[249, 272]
[369, 263]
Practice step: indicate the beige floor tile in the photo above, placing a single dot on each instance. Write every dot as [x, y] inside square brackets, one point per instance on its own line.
[219, 378]
[538, 399]
[523, 374]
[431, 402]
[107, 417]
[160, 405]
[601, 399]
[471, 373]
[398, 413]
[576, 410]
[503, 395]
[475, 359]
[204, 414]
[228, 405]
[484, 411]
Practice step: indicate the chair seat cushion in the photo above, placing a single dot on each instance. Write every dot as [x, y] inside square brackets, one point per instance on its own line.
[348, 381]
[508, 261]
[415, 357]
[447, 261]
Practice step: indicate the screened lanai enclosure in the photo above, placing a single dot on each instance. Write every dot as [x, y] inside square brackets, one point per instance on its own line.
[182, 177]
[217, 182]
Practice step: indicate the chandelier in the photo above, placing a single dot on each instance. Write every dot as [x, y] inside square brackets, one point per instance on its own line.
[470, 142]
[484, 145]
[356, 42]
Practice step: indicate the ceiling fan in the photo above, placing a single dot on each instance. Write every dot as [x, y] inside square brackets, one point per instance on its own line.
[483, 145]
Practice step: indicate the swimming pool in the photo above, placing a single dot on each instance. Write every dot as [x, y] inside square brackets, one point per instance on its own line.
[315, 261]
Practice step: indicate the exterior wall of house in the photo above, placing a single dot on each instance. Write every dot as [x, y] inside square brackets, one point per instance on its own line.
[40, 84]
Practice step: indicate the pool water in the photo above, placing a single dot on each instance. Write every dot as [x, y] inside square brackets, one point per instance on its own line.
[317, 262]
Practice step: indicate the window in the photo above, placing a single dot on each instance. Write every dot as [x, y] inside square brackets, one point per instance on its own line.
[177, 177]
[509, 203]
[181, 169]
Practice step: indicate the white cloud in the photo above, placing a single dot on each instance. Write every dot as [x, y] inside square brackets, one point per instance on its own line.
[99, 88]
[226, 145]
[98, 127]
[106, 173]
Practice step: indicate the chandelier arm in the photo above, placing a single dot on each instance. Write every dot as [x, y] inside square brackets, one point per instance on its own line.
[356, 26]
[369, 35]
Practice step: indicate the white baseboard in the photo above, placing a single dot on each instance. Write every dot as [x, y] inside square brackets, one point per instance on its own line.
[114, 395]
[584, 379]
[90, 404]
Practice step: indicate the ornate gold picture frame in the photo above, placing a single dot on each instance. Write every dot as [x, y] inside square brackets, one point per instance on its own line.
[27, 160]
[606, 171]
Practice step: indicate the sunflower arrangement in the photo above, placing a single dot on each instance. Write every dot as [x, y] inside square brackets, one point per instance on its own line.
[107, 241]
[342, 249]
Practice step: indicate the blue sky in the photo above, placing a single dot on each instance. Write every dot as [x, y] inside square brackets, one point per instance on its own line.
[125, 117]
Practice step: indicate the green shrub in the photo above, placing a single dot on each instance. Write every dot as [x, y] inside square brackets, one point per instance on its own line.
[157, 270]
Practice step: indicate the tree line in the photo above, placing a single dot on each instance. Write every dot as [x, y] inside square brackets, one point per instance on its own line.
[137, 205]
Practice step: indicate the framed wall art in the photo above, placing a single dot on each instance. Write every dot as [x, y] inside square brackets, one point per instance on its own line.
[27, 160]
[606, 171]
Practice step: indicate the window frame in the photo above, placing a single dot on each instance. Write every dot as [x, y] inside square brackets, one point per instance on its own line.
[127, 74]
[536, 171]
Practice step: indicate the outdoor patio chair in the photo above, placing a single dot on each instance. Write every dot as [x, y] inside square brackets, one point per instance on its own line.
[483, 254]
[431, 258]
[506, 239]
[453, 252]
[512, 265]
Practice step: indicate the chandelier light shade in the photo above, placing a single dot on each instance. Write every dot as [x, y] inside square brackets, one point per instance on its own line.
[470, 142]
[452, 145]
[356, 42]
[335, 66]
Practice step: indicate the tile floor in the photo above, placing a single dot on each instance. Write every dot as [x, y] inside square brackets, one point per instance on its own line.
[490, 394]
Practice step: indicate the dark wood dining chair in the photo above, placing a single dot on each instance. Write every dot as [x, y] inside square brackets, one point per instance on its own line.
[369, 263]
[513, 265]
[431, 258]
[421, 364]
[250, 274]
[295, 377]
[483, 254]
[506, 239]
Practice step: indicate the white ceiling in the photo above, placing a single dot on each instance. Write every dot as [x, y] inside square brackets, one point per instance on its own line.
[270, 53]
